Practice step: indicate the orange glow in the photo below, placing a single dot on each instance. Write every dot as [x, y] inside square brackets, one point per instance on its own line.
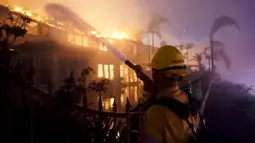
[111, 71]
[130, 75]
[122, 99]
[135, 77]
[60, 25]
[70, 38]
[100, 70]
[115, 35]
[38, 18]
[126, 74]
[108, 103]
[127, 92]
[106, 71]
[85, 41]
[102, 47]
[121, 71]
[78, 40]
[136, 94]
[111, 101]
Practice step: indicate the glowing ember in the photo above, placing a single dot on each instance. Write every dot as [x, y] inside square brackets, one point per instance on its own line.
[56, 24]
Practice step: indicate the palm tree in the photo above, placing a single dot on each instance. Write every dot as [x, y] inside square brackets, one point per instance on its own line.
[153, 28]
[219, 54]
[217, 24]
[207, 56]
[198, 57]
[186, 54]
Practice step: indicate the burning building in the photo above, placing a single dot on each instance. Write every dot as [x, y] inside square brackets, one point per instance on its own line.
[54, 50]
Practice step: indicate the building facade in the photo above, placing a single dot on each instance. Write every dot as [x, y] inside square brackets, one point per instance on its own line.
[54, 53]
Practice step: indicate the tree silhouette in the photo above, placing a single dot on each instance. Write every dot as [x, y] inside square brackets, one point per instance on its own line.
[219, 23]
[153, 29]
[187, 47]
[219, 54]
[198, 57]
[207, 56]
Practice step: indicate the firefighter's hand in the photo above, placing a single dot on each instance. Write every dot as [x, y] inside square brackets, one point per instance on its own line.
[138, 70]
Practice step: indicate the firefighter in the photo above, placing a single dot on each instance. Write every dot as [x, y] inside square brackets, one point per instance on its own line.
[163, 124]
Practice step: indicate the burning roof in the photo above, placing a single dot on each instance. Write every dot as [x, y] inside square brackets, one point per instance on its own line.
[63, 26]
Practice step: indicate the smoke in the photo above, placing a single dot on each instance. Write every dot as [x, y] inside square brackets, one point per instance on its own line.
[108, 16]
[195, 16]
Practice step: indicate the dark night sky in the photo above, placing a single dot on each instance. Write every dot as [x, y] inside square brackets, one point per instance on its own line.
[194, 16]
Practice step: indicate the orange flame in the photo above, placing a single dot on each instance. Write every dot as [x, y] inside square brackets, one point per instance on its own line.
[56, 24]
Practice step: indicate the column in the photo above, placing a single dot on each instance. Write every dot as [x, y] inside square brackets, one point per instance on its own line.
[117, 84]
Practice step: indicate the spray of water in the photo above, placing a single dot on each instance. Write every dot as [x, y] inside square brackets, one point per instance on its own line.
[63, 14]
[115, 52]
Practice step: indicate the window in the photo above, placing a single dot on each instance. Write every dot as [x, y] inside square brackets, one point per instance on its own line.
[108, 104]
[127, 92]
[131, 75]
[136, 94]
[32, 28]
[102, 47]
[78, 40]
[126, 74]
[70, 38]
[135, 76]
[122, 102]
[111, 71]
[100, 70]
[85, 41]
[106, 71]
[121, 71]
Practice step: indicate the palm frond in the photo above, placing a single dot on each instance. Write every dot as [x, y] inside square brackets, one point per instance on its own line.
[218, 44]
[197, 57]
[189, 46]
[156, 21]
[157, 33]
[223, 54]
[206, 49]
[139, 35]
[185, 55]
[222, 22]
[181, 47]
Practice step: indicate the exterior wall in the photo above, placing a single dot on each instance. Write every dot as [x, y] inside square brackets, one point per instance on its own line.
[123, 79]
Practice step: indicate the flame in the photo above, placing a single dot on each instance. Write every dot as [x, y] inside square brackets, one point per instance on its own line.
[115, 35]
[56, 24]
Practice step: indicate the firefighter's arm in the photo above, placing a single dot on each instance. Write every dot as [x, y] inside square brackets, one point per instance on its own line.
[146, 81]
[153, 129]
